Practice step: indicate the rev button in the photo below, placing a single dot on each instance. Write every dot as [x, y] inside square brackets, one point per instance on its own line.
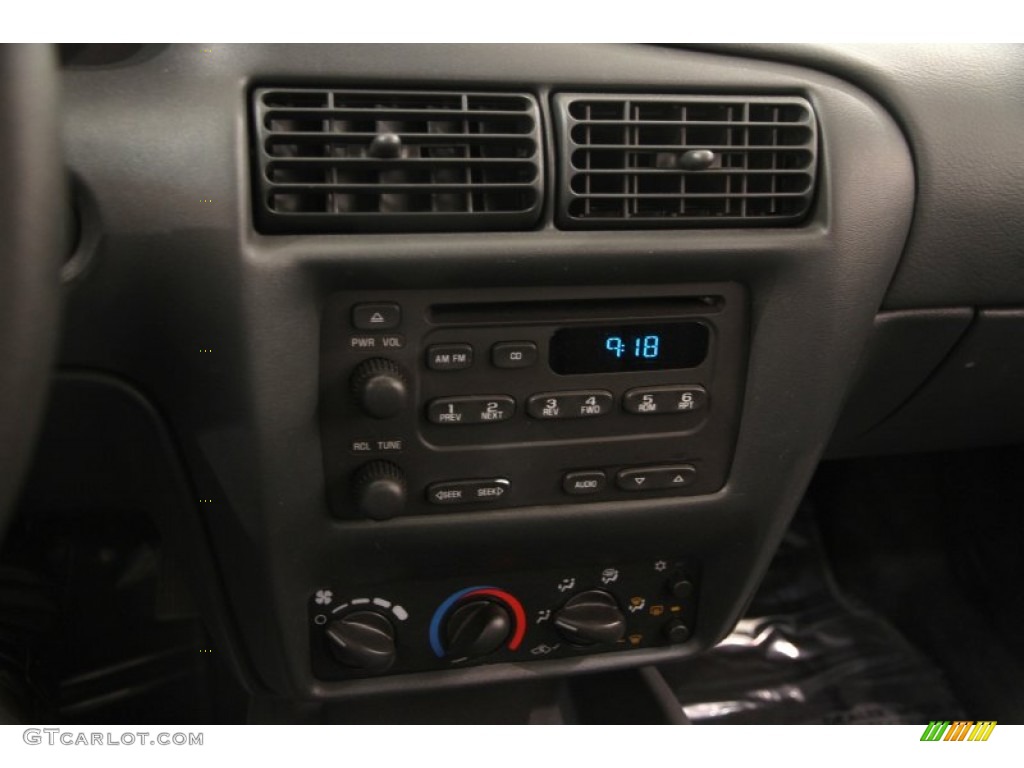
[656, 478]
[468, 491]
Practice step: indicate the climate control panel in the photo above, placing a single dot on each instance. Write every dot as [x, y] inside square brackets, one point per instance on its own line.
[449, 624]
[463, 401]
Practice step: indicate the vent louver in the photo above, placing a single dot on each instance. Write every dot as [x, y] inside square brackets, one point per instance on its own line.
[396, 161]
[684, 161]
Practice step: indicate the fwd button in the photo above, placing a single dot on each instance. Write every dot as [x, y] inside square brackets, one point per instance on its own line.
[468, 491]
[656, 478]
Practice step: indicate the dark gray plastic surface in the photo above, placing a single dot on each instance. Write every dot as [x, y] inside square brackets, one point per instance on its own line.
[904, 349]
[972, 399]
[962, 108]
[220, 326]
[31, 235]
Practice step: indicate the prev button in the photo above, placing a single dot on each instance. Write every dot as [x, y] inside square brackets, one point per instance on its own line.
[472, 409]
[468, 491]
[656, 478]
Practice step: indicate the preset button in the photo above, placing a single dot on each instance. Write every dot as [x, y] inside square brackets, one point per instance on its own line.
[471, 409]
[569, 405]
[676, 398]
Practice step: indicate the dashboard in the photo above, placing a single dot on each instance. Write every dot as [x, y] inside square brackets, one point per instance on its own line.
[452, 365]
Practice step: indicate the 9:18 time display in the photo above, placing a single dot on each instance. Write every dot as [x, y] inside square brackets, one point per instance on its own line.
[623, 348]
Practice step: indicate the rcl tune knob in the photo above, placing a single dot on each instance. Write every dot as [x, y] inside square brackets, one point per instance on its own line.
[477, 628]
[380, 490]
[362, 640]
[380, 388]
[591, 618]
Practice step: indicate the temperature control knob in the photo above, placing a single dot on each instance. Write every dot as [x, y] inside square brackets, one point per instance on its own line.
[380, 388]
[591, 618]
[380, 490]
[477, 628]
[362, 640]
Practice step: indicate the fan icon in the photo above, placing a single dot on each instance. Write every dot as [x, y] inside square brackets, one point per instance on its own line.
[324, 597]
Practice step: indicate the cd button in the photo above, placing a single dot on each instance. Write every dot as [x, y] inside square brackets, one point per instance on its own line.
[514, 354]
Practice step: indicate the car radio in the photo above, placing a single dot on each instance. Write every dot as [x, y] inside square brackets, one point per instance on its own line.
[474, 400]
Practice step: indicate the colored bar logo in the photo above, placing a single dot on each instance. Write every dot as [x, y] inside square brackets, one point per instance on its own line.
[958, 730]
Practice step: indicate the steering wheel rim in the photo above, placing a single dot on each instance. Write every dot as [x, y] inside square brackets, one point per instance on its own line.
[32, 211]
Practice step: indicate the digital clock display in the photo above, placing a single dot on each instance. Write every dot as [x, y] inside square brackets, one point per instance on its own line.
[611, 349]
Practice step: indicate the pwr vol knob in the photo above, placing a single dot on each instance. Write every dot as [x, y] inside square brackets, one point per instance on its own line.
[380, 388]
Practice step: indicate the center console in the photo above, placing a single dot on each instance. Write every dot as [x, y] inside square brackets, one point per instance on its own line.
[438, 403]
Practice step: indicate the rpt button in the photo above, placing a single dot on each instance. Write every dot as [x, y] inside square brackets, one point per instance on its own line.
[474, 409]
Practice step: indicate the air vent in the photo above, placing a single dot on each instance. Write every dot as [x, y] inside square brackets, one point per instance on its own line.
[684, 161]
[396, 161]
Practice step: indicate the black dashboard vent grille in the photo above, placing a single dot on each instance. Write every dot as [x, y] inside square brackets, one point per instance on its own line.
[396, 161]
[684, 161]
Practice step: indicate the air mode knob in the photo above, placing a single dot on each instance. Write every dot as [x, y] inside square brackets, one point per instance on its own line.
[380, 490]
[380, 388]
[362, 640]
[591, 618]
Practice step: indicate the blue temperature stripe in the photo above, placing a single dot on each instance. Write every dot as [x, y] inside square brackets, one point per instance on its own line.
[435, 622]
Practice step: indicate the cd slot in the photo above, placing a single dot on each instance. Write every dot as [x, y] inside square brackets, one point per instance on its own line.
[596, 310]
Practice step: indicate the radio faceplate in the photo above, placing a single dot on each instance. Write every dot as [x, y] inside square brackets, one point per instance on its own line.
[451, 401]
